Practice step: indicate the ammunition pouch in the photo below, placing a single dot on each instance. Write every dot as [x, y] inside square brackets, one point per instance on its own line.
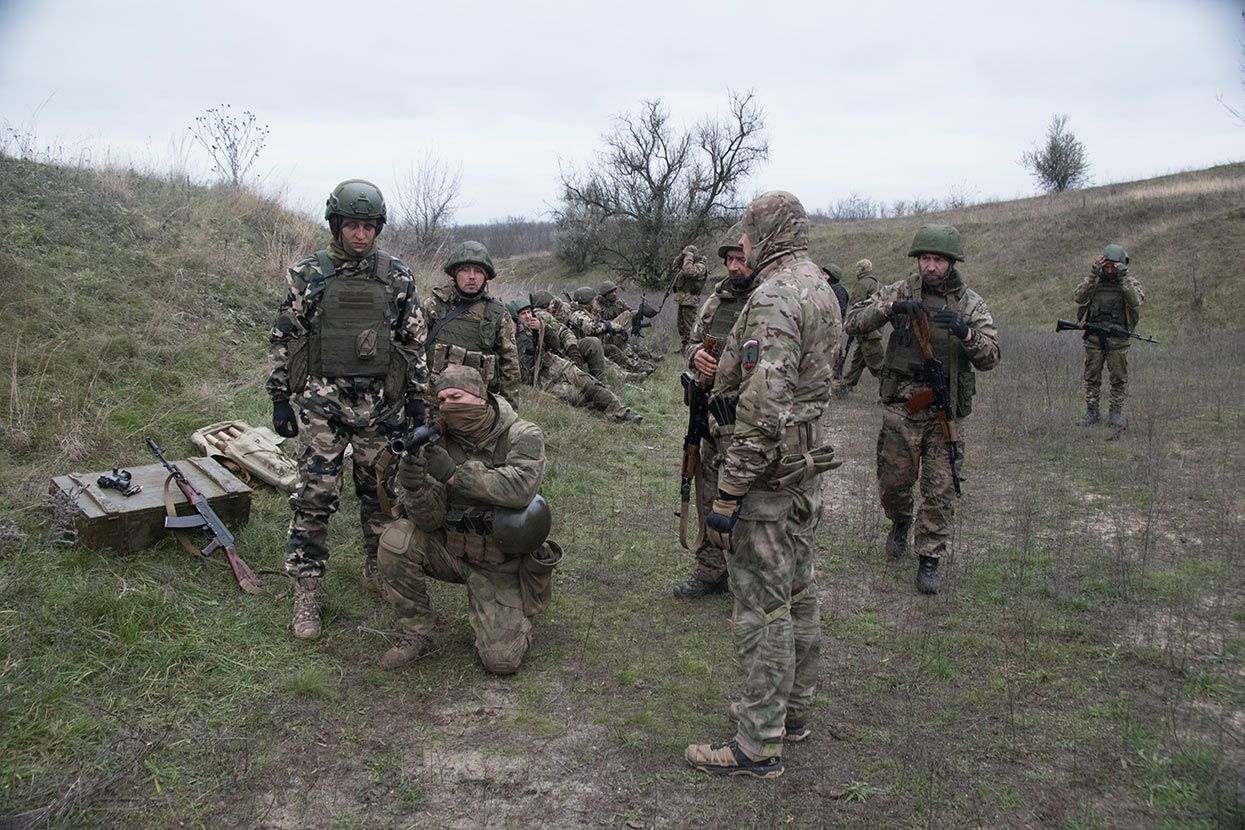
[722, 408]
[469, 536]
[445, 354]
[536, 577]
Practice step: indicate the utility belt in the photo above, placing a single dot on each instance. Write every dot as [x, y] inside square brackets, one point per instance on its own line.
[469, 536]
[446, 354]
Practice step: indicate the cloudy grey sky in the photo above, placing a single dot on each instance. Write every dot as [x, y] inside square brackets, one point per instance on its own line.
[886, 99]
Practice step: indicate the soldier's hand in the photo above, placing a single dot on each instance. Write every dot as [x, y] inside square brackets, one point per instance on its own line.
[720, 522]
[705, 363]
[439, 464]
[953, 321]
[411, 470]
[910, 307]
[283, 419]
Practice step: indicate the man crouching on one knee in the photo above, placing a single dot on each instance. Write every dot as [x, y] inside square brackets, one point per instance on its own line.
[474, 516]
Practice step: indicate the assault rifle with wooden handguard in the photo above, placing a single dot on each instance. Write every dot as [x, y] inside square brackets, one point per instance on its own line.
[1102, 332]
[222, 538]
[696, 397]
[937, 396]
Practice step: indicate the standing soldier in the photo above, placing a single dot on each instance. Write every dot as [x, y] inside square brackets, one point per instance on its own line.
[868, 347]
[717, 316]
[834, 276]
[348, 348]
[475, 517]
[775, 374]
[1108, 297]
[468, 327]
[912, 444]
[687, 285]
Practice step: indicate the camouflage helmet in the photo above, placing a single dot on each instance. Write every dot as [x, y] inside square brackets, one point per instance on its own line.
[834, 272]
[943, 240]
[355, 199]
[1115, 253]
[470, 253]
[606, 287]
[541, 299]
[863, 268]
[520, 303]
[730, 242]
[524, 530]
[584, 295]
[515, 306]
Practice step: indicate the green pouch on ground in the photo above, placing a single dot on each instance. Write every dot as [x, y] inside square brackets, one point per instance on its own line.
[536, 578]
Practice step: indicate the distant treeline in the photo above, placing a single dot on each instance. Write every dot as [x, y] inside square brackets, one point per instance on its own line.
[510, 236]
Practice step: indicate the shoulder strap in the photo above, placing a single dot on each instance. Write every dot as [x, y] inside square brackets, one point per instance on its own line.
[327, 268]
[453, 313]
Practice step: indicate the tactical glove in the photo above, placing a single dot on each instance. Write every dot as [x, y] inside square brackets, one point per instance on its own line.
[439, 464]
[575, 356]
[283, 419]
[411, 470]
[910, 307]
[953, 321]
[720, 523]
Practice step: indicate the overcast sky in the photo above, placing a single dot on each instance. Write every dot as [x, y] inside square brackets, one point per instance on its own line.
[889, 100]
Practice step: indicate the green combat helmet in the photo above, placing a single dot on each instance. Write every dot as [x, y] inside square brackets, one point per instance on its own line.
[355, 199]
[1115, 253]
[522, 531]
[834, 272]
[606, 287]
[541, 299]
[514, 308]
[943, 240]
[470, 253]
[584, 295]
[730, 242]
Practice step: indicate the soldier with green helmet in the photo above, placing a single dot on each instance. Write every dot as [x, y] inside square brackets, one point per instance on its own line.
[347, 348]
[708, 338]
[590, 347]
[466, 326]
[834, 276]
[911, 445]
[1109, 296]
[474, 516]
[865, 351]
[690, 271]
[585, 322]
[608, 305]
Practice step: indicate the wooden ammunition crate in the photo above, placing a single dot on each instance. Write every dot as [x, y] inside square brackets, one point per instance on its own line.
[98, 518]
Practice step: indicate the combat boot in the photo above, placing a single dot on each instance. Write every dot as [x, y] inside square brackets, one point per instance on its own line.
[696, 588]
[307, 607]
[927, 578]
[408, 649]
[1117, 419]
[1091, 415]
[897, 539]
[371, 575]
[728, 758]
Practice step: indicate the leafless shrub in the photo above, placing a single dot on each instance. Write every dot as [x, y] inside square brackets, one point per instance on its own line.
[233, 142]
[426, 199]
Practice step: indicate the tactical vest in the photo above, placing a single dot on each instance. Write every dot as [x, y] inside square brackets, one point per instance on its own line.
[351, 333]
[470, 339]
[725, 315]
[468, 524]
[904, 361]
[1107, 305]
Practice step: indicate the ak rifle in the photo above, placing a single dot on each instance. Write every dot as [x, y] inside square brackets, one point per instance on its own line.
[1102, 332]
[937, 396]
[696, 397]
[222, 538]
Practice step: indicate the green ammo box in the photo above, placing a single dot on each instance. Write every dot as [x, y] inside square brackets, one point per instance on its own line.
[99, 518]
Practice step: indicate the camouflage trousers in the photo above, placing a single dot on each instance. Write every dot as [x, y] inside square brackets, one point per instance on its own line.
[409, 557]
[317, 497]
[1116, 360]
[566, 381]
[626, 359]
[866, 352]
[776, 619]
[908, 449]
[710, 559]
[686, 322]
[594, 356]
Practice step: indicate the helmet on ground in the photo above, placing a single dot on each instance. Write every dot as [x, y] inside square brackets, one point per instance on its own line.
[470, 253]
[943, 240]
[524, 530]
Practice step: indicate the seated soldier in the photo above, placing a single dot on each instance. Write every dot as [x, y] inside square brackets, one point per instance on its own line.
[475, 517]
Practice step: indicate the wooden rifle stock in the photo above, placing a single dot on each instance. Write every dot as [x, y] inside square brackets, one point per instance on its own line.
[937, 395]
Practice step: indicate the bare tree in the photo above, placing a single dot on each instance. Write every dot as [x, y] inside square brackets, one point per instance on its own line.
[855, 208]
[426, 199]
[1237, 114]
[1061, 164]
[655, 188]
[233, 142]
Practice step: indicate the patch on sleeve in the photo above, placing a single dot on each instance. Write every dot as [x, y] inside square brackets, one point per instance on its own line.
[749, 354]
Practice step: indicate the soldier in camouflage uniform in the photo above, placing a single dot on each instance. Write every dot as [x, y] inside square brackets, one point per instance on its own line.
[457, 489]
[776, 372]
[1108, 297]
[714, 323]
[834, 276]
[348, 348]
[609, 306]
[541, 341]
[911, 444]
[589, 347]
[585, 323]
[468, 327]
[867, 349]
[689, 281]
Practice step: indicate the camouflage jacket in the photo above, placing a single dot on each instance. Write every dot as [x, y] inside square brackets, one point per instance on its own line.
[339, 399]
[492, 315]
[778, 361]
[1133, 297]
[982, 347]
[722, 291]
[558, 337]
[582, 321]
[478, 479]
[553, 366]
[690, 280]
[871, 286]
[609, 310]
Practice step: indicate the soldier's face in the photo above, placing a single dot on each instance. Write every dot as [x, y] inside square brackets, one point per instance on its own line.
[357, 234]
[737, 265]
[470, 278]
[1109, 267]
[453, 395]
[933, 267]
[527, 318]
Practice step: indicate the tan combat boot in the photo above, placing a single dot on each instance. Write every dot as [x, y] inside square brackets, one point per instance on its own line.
[406, 650]
[307, 607]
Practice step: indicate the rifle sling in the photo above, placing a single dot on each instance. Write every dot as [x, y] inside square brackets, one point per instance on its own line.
[454, 313]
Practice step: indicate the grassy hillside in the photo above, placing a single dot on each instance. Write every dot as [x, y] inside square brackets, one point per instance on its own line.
[1080, 669]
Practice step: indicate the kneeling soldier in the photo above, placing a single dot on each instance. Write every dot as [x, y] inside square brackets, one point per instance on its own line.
[474, 517]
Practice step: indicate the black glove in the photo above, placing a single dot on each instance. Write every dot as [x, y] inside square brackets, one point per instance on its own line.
[411, 470]
[720, 523]
[438, 463]
[283, 419]
[414, 411]
[910, 307]
[953, 321]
